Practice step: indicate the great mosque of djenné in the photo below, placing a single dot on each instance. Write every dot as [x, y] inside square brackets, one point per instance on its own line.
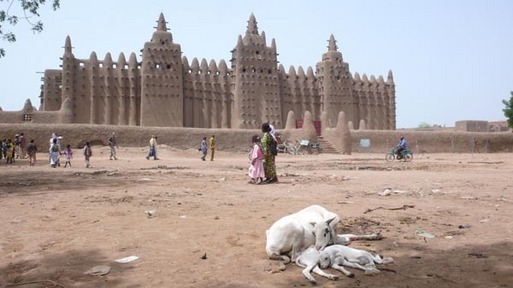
[165, 90]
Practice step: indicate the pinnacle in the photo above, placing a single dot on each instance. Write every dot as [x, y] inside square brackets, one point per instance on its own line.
[252, 25]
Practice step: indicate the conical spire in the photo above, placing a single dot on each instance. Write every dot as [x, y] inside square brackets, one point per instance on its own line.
[390, 78]
[239, 41]
[161, 23]
[161, 35]
[332, 44]
[132, 61]
[121, 60]
[67, 45]
[252, 25]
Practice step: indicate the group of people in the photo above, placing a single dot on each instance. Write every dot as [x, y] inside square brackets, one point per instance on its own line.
[55, 152]
[87, 151]
[262, 169]
[10, 149]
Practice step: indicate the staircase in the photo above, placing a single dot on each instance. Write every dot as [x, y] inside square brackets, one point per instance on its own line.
[325, 146]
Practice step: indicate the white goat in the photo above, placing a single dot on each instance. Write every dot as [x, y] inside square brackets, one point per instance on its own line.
[310, 260]
[337, 256]
[294, 233]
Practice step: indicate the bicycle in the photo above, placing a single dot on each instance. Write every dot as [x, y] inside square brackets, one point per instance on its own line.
[289, 148]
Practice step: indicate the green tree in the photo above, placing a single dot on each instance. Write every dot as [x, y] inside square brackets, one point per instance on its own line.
[29, 13]
[508, 111]
[425, 125]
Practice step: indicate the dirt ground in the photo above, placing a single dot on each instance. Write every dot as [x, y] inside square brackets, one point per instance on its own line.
[207, 224]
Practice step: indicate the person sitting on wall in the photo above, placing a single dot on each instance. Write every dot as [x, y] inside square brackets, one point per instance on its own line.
[401, 147]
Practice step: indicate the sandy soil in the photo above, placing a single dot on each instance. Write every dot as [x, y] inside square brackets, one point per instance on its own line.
[208, 226]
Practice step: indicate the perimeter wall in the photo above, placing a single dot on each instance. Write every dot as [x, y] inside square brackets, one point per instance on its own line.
[238, 140]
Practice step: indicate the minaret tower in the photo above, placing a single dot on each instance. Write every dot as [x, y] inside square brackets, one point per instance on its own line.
[335, 84]
[161, 80]
[68, 74]
[255, 77]
[391, 101]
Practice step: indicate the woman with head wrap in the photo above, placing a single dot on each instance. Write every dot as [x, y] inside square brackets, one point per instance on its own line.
[269, 158]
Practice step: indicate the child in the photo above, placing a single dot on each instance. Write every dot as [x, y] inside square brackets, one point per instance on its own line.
[88, 152]
[203, 148]
[32, 151]
[256, 169]
[68, 155]
[9, 152]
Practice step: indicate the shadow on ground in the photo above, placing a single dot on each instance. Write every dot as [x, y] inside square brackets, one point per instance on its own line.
[64, 270]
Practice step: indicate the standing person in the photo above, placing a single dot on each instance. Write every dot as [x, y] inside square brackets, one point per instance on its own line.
[88, 152]
[203, 148]
[54, 136]
[23, 145]
[68, 155]
[32, 151]
[9, 151]
[212, 147]
[55, 151]
[269, 158]
[17, 149]
[256, 156]
[3, 148]
[113, 145]
[153, 148]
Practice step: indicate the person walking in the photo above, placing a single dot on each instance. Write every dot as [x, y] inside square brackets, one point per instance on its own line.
[153, 148]
[55, 151]
[32, 151]
[203, 148]
[113, 145]
[68, 155]
[256, 156]
[88, 152]
[269, 158]
[212, 141]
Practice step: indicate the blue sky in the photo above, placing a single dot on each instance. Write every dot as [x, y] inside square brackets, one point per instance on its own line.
[451, 59]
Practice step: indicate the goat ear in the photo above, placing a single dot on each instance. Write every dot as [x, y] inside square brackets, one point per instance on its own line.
[313, 224]
[329, 220]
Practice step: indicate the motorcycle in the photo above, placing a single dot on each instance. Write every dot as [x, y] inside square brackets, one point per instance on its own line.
[405, 155]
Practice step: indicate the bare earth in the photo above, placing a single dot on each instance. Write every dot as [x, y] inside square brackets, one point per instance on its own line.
[208, 224]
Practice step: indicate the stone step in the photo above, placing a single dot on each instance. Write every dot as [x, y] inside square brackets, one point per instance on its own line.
[325, 147]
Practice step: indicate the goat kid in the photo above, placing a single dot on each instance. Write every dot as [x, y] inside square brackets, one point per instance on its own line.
[336, 256]
[310, 260]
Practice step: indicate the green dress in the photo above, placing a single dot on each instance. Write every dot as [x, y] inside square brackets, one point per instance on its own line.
[269, 164]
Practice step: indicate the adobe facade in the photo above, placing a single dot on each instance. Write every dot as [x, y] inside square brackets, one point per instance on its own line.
[164, 89]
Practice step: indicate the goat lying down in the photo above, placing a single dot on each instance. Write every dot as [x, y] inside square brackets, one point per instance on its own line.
[337, 256]
[314, 225]
[294, 233]
[310, 260]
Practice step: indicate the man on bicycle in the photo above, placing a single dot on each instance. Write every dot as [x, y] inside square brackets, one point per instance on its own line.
[400, 147]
